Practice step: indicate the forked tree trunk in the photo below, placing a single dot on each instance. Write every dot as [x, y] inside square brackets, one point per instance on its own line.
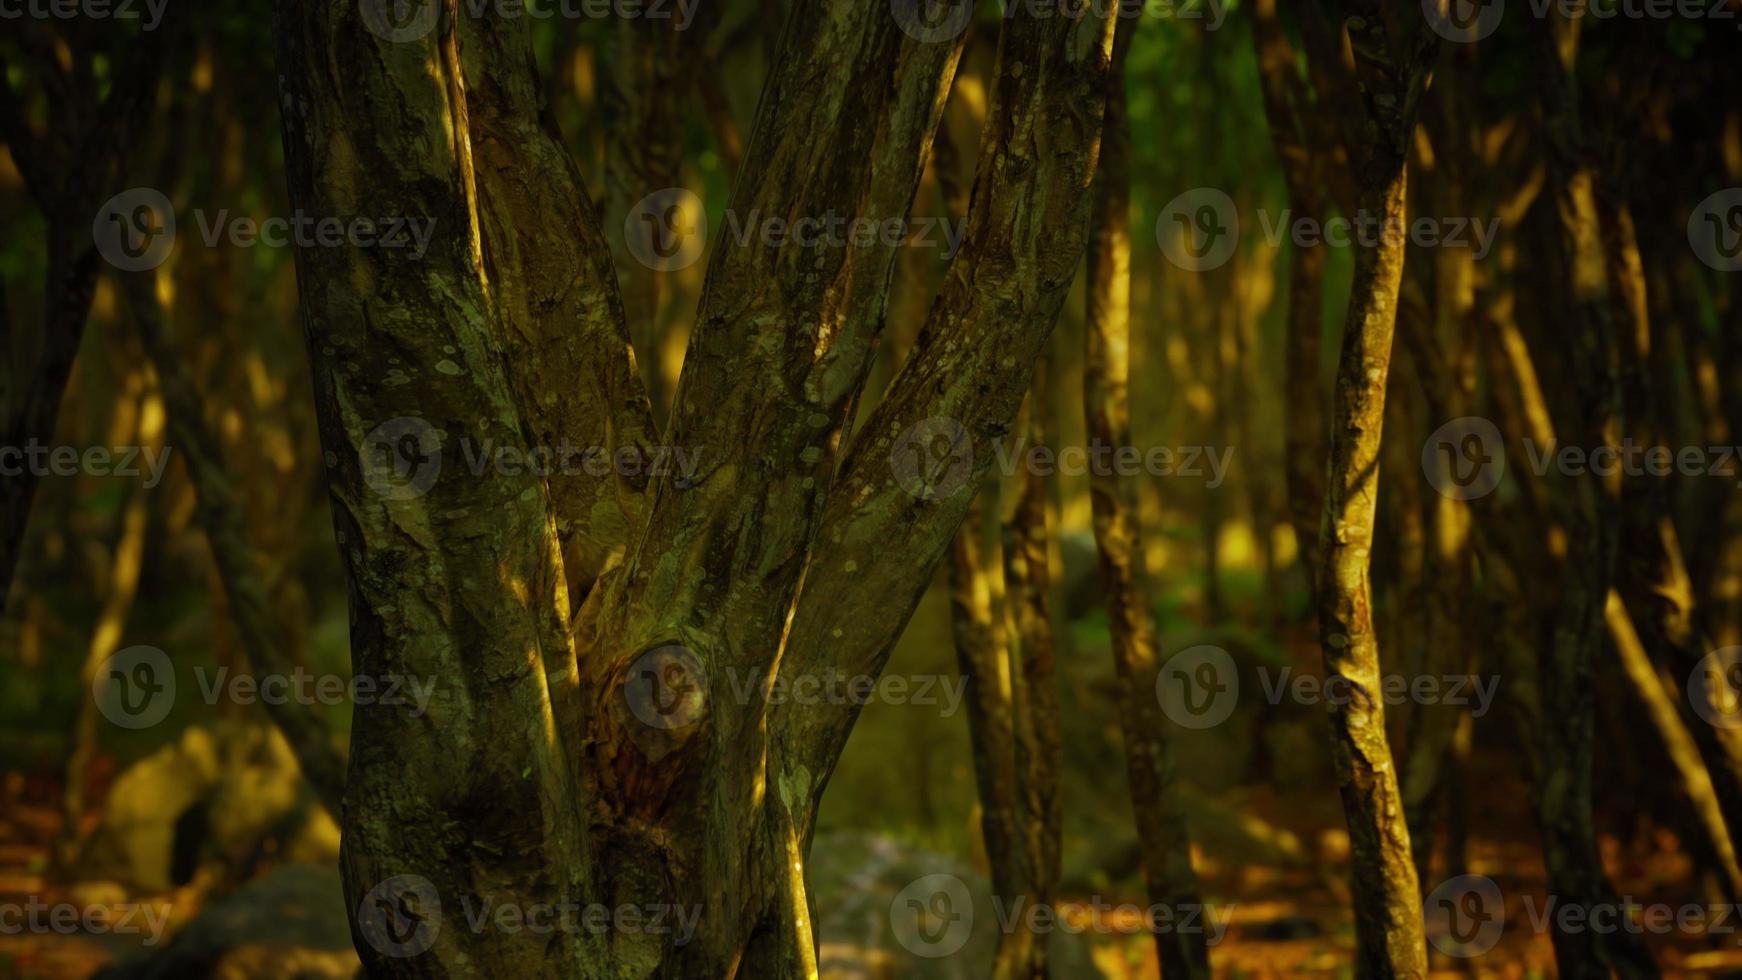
[1388, 922]
[1161, 828]
[553, 612]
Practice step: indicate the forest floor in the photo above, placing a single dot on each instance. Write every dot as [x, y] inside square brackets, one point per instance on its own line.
[1284, 921]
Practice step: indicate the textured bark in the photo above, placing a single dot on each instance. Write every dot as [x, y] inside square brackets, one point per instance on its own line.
[464, 585]
[221, 516]
[1161, 828]
[530, 601]
[1387, 902]
[1000, 300]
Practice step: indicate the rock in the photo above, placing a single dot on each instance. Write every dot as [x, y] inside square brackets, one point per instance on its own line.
[288, 924]
[857, 882]
[218, 793]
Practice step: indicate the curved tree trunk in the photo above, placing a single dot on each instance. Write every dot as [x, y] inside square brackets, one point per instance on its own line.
[1387, 901]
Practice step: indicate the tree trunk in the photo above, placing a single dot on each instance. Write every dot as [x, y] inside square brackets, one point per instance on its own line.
[1161, 828]
[1388, 922]
[586, 741]
[1588, 510]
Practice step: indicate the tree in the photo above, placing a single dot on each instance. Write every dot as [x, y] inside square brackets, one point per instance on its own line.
[1392, 69]
[541, 604]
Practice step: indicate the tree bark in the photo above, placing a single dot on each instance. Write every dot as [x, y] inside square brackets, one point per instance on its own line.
[1388, 922]
[535, 601]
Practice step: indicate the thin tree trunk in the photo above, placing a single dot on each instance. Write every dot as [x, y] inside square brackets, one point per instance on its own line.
[1388, 921]
[1303, 394]
[1028, 539]
[1589, 510]
[1678, 741]
[1161, 827]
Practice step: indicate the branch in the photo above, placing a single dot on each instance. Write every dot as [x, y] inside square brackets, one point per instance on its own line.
[784, 333]
[554, 289]
[880, 541]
